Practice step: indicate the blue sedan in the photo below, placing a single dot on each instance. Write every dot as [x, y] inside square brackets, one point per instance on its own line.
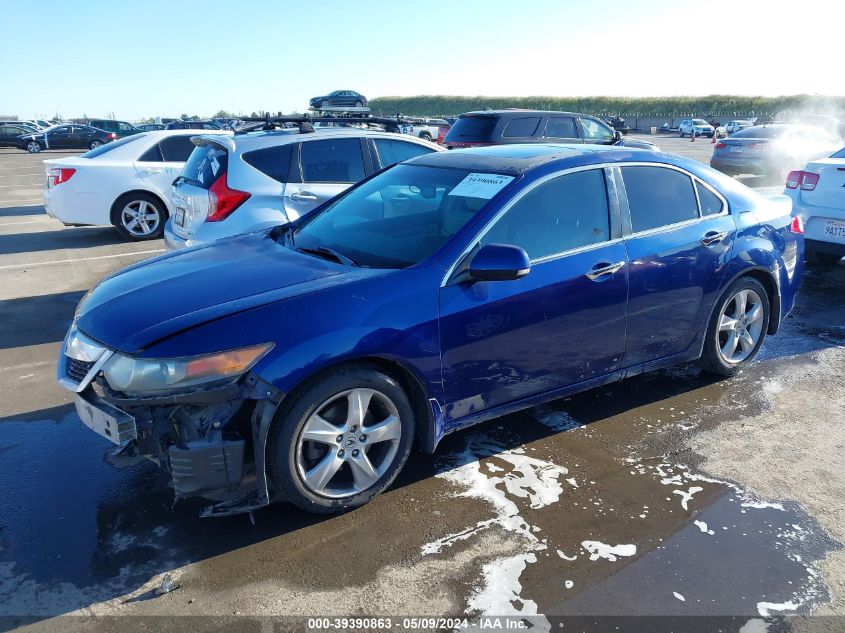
[302, 363]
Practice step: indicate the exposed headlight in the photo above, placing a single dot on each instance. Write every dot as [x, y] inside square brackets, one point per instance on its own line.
[151, 376]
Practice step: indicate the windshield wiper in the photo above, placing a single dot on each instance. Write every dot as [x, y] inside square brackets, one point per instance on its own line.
[328, 253]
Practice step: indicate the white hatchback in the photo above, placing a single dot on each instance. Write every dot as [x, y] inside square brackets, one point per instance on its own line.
[125, 183]
[818, 198]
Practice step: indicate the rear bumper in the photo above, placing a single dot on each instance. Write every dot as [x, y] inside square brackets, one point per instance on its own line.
[73, 208]
[828, 248]
[815, 218]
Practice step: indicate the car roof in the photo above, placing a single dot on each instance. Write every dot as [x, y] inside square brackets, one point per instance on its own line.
[516, 159]
[267, 138]
[517, 112]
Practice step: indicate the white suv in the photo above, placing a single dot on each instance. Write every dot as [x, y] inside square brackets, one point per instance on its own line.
[253, 181]
[701, 127]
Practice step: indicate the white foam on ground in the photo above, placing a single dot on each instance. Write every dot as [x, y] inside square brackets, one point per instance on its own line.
[679, 596]
[500, 592]
[765, 608]
[703, 527]
[686, 497]
[598, 550]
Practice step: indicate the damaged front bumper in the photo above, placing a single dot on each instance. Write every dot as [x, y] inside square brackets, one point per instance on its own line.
[211, 440]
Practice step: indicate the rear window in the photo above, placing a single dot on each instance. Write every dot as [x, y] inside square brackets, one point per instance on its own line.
[472, 129]
[102, 149]
[205, 165]
[522, 127]
[272, 161]
[335, 160]
[176, 149]
[391, 152]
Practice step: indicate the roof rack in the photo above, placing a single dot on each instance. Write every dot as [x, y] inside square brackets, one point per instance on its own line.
[305, 122]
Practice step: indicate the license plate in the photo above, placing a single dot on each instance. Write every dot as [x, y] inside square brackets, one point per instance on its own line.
[737, 149]
[835, 230]
[104, 419]
[180, 216]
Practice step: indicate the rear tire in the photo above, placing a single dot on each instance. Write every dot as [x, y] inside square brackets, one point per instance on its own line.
[139, 216]
[33, 147]
[321, 406]
[95, 144]
[737, 328]
[425, 136]
[358, 104]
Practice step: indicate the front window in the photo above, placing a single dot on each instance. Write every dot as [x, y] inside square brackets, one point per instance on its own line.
[400, 217]
[595, 132]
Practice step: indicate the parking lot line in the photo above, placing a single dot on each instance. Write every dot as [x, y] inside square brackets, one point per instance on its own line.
[26, 222]
[80, 259]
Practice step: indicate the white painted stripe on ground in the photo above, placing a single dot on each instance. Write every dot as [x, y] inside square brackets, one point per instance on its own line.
[7, 204]
[80, 259]
[2, 224]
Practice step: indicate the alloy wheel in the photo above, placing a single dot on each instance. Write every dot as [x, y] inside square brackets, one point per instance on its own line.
[140, 218]
[96, 144]
[348, 443]
[33, 147]
[740, 326]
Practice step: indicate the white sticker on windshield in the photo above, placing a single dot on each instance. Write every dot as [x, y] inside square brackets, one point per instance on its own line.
[481, 185]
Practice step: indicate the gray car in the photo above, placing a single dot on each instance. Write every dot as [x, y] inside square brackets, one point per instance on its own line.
[771, 150]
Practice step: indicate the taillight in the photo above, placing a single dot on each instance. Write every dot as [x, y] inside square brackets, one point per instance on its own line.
[797, 225]
[222, 200]
[721, 145]
[809, 181]
[112, 135]
[805, 179]
[793, 179]
[58, 175]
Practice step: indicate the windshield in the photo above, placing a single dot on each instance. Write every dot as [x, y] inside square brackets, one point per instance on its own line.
[102, 149]
[400, 217]
[699, 122]
[839, 154]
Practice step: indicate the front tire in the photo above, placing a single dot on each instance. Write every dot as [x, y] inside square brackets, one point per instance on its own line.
[737, 327]
[139, 217]
[33, 147]
[342, 439]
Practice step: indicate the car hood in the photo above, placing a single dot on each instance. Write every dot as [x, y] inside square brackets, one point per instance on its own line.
[160, 297]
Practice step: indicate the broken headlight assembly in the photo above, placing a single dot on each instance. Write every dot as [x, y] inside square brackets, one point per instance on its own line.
[144, 376]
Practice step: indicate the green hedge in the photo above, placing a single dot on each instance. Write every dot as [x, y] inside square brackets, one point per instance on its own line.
[442, 105]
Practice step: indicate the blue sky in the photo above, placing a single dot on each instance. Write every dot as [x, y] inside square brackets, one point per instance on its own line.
[160, 58]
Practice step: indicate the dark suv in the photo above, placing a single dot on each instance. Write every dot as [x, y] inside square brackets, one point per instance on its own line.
[499, 127]
[119, 128]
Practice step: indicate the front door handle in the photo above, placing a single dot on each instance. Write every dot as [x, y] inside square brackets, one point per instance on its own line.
[602, 269]
[152, 172]
[713, 237]
[304, 196]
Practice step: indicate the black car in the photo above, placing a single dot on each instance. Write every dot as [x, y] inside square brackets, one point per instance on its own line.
[120, 128]
[10, 134]
[71, 136]
[192, 125]
[499, 127]
[339, 99]
[150, 127]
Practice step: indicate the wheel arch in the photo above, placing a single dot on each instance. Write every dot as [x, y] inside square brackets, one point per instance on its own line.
[769, 282]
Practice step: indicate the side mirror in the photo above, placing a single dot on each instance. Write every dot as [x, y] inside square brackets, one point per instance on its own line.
[499, 262]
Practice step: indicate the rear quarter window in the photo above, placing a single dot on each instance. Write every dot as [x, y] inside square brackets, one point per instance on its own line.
[271, 161]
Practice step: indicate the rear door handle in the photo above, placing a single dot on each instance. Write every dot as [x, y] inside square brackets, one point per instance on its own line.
[602, 269]
[304, 196]
[713, 237]
[152, 172]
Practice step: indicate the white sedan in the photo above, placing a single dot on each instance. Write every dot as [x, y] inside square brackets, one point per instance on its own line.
[125, 183]
[818, 198]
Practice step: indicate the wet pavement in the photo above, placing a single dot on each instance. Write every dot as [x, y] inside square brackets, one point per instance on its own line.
[596, 504]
